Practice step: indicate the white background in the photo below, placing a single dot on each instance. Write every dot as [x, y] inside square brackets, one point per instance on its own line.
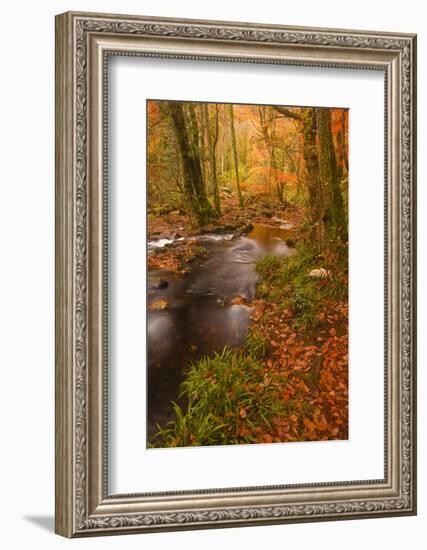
[27, 275]
[362, 456]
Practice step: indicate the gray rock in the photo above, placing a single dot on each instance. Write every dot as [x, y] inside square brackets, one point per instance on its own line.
[160, 284]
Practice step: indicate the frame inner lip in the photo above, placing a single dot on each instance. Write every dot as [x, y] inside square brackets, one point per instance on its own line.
[242, 491]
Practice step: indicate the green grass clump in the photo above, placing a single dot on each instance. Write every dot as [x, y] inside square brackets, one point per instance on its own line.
[268, 265]
[255, 344]
[223, 392]
[287, 281]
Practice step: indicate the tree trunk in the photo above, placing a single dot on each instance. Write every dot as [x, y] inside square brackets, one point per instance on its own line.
[344, 142]
[334, 208]
[307, 117]
[212, 141]
[314, 183]
[341, 148]
[204, 144]
[267, 118]
[340, 155]
[236, 161]
[193, 180]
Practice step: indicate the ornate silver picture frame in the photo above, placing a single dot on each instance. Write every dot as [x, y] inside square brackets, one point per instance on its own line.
[84, 505]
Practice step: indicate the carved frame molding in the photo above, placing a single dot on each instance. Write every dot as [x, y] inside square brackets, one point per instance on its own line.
[83, 43]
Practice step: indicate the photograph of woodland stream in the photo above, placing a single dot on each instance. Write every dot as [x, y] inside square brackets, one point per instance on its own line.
[247, 253]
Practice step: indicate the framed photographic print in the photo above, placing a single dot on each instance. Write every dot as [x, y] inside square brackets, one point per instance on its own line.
[235, 274]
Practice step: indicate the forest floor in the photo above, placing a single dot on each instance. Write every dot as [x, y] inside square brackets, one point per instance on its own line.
[176, 224]
[233, 219]
[308, 368]
[292, 381]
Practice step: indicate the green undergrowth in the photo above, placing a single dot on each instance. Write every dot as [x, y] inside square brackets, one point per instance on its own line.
[287, 282]
[228, 399]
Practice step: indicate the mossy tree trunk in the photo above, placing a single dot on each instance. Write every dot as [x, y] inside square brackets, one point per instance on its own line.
[235, 157]
[315, 196]
[314, 183]
[194, 187]
[344, 142]
[334, 207]
[212, 139]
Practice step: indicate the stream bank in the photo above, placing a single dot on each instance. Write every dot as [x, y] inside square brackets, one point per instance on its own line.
[203, 309]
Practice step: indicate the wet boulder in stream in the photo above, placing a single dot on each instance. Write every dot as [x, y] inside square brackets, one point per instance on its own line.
[159, 284]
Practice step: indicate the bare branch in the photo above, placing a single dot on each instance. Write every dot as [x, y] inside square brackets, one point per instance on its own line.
[288, 113]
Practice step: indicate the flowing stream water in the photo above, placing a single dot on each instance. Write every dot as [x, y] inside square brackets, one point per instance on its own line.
[199, 318]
